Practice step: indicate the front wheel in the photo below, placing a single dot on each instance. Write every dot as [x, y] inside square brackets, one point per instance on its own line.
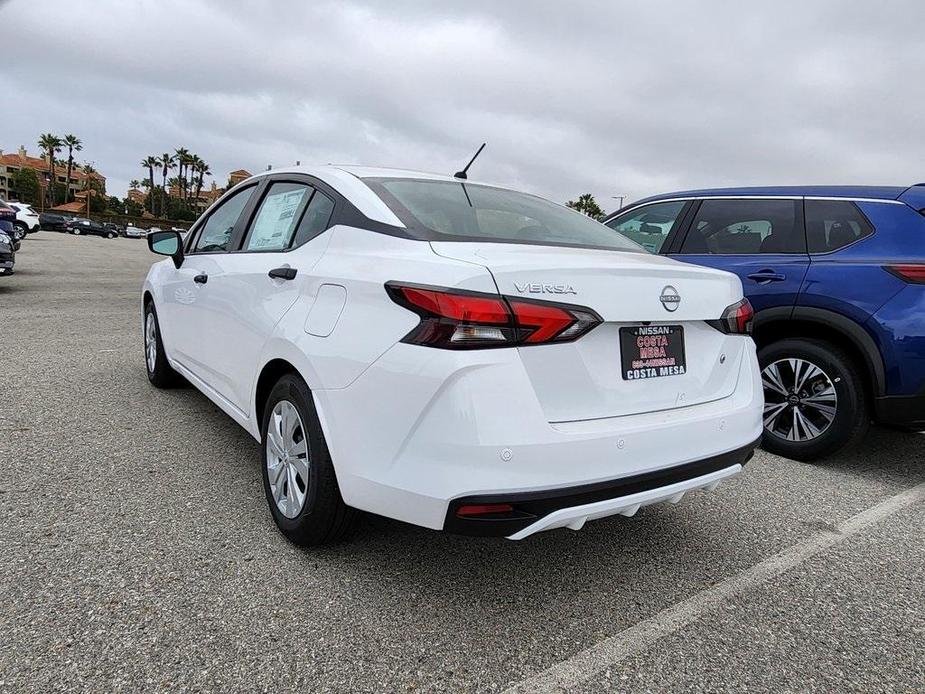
[160, 372]
[76, 232]
[110, 235]
[815, 402]
[298, 475]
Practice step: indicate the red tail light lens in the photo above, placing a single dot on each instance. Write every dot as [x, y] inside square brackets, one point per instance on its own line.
[914, 274]
[453, 319]
[470, 510]
[736, 319]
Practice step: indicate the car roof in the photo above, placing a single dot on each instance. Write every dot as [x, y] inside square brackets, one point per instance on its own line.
[869, 192]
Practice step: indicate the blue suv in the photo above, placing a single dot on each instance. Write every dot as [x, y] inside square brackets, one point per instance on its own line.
[837, 279]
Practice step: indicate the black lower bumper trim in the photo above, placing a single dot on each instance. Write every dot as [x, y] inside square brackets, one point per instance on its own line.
[901, 410]
[528, 507]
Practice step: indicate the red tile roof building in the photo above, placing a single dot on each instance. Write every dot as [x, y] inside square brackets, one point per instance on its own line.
[11, 163]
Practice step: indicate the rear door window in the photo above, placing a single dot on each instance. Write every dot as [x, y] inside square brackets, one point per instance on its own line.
[650, 225]
[834, 224]
[745, 227]
[277, 217]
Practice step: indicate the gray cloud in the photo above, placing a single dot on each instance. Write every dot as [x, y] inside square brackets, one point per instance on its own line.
[605, 97]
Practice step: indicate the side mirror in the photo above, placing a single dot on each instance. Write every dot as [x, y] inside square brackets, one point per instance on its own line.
[167, 243]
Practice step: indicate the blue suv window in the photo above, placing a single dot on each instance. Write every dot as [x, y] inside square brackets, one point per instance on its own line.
[746, 227]
[833, 224]
[649, 225]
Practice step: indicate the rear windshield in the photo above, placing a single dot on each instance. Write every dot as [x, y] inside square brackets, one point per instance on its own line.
[451, 211]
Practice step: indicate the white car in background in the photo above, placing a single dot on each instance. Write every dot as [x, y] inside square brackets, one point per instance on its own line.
[133, 232]
[26, 217]
[450, 354]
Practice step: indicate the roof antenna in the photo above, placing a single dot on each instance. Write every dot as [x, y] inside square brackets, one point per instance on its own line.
[462, 174]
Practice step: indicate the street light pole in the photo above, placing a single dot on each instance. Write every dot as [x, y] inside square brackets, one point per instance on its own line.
[620, 198]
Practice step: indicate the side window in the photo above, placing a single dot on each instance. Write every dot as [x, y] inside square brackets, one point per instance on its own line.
[650, 225]
[277, 217]
[315, 218]
[745, 227]
[833, 224]
[216, 232]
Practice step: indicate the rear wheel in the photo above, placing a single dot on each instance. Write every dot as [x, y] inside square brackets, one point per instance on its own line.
[160, 372]
[298, 475]
[815, 402]
[111, 235]
[23, 228]
[76, 232]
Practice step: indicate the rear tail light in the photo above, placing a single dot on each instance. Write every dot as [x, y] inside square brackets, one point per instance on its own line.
[914, 274]
[736, 319]
[453, 319]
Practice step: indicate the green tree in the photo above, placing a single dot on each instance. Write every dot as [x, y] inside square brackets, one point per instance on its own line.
[50, 144]
[133, 208]
[586, 204]
[26, 184]
[202, 169]
[149, 163]
[167, 162]
[73, 144]
[183, 159]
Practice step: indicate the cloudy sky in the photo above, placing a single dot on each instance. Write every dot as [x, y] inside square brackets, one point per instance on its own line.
[607, 97]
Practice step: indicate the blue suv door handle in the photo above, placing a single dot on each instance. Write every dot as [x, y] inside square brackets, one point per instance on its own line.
[767, 275]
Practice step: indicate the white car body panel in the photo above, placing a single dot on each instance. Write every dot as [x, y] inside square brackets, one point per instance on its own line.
[410, 428]
[30, 219]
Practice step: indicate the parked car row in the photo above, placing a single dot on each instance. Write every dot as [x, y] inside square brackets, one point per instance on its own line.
[11, 235]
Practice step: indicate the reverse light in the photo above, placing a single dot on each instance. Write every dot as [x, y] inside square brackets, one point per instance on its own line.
[457, 319]
[914, 274]
[737, 319]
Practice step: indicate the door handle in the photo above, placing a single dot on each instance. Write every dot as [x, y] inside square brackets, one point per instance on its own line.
[283, 273]
[201, 279]
[766, 276]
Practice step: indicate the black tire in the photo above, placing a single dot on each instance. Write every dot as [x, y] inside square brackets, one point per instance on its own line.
[852, 417]
[162, 375]
[76, 232]
[22, 227]
[324, 517]
[111, 235]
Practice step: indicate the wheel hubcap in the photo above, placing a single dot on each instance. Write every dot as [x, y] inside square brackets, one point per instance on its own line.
[287, 459]
[150, 342]
[799, 400]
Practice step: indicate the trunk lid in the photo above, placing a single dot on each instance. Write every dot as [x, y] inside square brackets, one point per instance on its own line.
[585, 379]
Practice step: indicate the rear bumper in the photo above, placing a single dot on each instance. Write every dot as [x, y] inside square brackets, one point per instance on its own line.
[436, 432]
[901, 410]
[572, 507]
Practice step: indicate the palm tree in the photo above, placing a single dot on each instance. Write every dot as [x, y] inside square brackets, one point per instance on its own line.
[183, 160]
[88, 172]
[73, 144]
[133, 184]
[203, 170]
[51, 144]
[167, 162]
[149, 163]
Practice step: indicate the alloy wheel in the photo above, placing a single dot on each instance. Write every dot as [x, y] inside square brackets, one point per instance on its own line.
[150, 342]
[800, 399]
[287, 459]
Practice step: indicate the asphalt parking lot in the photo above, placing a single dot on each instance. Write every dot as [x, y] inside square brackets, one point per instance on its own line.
[136, 550]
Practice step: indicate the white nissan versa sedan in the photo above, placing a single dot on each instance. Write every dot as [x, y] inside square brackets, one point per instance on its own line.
[455, 355]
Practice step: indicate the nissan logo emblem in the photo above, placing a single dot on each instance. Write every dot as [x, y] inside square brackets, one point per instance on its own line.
[670, 298]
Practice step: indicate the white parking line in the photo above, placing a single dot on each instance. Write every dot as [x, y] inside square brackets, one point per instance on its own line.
[568, 674]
